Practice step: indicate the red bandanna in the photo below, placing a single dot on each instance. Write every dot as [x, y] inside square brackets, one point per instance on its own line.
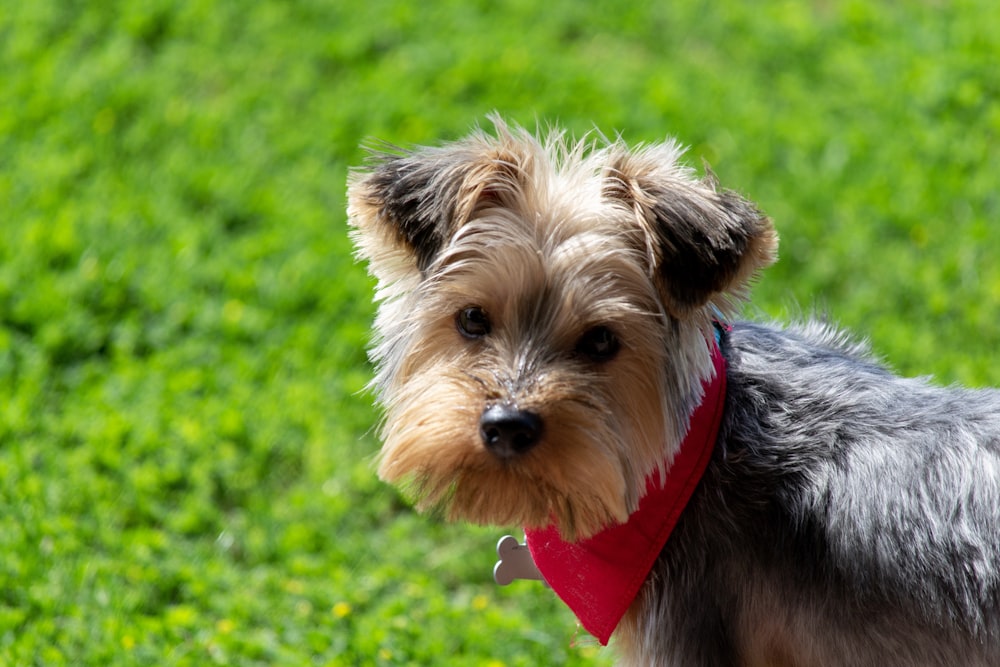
[599, 577]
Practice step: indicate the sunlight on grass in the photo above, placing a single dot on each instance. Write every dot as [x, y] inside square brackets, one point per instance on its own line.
[185, 436]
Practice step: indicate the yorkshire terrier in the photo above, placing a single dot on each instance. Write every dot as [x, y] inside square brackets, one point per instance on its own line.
[555, 348]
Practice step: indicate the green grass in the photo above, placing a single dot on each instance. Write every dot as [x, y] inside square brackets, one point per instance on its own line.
[185, 444]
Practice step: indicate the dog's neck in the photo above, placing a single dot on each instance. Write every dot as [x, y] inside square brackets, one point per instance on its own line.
[599, 577]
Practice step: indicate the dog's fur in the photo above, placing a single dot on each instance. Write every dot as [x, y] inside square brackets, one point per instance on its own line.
[847, 517]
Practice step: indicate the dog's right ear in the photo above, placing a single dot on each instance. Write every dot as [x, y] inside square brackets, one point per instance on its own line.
[404, 206]
[407, 205]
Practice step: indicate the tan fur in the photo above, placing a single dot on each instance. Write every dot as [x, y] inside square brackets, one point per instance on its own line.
[544, 308]
[550, 238]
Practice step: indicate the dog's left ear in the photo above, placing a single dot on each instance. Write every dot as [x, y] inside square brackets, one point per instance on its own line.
[703, 242]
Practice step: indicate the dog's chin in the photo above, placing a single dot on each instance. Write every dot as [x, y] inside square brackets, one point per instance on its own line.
[580, 497]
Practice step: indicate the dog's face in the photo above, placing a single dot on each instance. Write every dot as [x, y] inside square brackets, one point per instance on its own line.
[543, 319]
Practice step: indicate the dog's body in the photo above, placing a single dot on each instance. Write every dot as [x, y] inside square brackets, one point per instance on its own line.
[848, 517]
[545, 329]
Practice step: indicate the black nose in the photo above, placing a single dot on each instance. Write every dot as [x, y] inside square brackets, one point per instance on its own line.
[507, 431]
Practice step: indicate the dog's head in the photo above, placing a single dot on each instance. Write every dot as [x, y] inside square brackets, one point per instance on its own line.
[544, 309]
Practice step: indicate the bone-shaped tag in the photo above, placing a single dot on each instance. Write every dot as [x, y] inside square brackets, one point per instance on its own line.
[515, 562]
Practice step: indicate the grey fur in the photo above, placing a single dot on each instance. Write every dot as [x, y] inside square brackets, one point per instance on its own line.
[855, 511]
[847, 517]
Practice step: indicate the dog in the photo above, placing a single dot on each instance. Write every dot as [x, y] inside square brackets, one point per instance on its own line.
[557, 347]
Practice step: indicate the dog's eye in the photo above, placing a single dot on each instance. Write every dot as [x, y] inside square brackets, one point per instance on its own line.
[472, 322]
[598, 343]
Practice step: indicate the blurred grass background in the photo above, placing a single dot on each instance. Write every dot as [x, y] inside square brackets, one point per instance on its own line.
[185, 453]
